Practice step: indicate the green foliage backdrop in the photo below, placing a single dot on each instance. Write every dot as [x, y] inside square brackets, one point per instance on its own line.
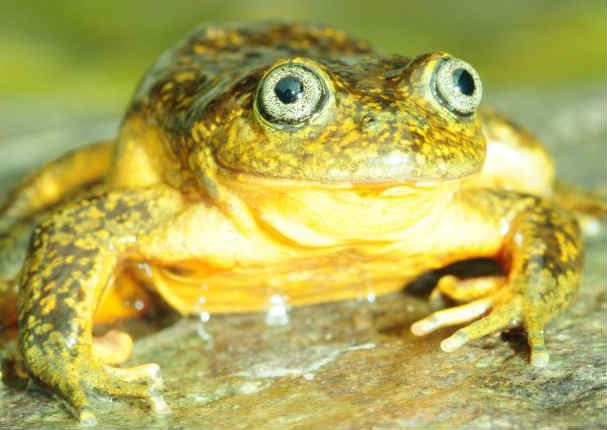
[83, 53]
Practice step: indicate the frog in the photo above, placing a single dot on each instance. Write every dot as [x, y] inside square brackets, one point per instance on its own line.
[289, 160]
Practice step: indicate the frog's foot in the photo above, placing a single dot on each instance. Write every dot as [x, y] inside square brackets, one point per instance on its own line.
[83, 372]
[500, 311]
[115, 347]
[143, 381]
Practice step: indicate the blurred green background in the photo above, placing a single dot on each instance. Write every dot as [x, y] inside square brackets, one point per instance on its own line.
[88, 55]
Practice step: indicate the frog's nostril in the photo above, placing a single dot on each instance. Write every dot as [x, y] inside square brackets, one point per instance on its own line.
[368, 122]
[368, 119]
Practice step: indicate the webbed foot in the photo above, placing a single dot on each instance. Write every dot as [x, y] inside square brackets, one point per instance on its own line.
[498, 311]
[542, 255]
[77, 379]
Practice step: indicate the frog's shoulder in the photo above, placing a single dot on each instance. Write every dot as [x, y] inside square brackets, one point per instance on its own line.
[211, 59]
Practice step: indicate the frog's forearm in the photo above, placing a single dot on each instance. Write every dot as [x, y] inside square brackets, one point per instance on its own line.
[72, 256]
[544, 255]
[52, 182]
[541, 252]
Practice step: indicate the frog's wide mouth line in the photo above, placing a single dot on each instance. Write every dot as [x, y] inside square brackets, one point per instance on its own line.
[229, 174]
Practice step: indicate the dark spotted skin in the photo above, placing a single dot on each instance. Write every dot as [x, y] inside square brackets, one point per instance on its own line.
[201, 95]
[71, 257]
[543, 247]
[385, 184]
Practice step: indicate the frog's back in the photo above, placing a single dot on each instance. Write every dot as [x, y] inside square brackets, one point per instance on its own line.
[214, 59]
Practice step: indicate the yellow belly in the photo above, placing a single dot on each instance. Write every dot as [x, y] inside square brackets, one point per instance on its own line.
[192, 287]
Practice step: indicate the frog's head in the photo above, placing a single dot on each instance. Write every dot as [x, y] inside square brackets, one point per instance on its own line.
[354, 120]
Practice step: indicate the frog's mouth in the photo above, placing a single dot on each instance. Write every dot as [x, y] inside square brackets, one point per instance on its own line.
[393, 187]
[379, 176]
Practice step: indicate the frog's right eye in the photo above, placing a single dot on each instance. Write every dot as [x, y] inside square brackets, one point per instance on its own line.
[290, 94]
[457, 86]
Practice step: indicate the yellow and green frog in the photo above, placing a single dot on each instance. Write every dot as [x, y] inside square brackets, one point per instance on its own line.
[283, 159]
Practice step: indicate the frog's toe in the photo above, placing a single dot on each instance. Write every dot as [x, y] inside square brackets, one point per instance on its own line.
[143, 381]
[503, 311]
[535, 337]
[452, 316]
[465, 290]
[502, 317]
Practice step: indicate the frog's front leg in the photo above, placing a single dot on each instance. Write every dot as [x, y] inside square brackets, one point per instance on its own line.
[72, 258]
[541, 253]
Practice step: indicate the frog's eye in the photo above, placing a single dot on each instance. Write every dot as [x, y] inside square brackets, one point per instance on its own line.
[290, 94]
[457, 86]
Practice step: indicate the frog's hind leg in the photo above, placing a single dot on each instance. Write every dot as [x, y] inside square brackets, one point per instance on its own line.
[55, 180]
[25, 207]
[517, 161]
[578, 200]
[589, 207]
[27, 204]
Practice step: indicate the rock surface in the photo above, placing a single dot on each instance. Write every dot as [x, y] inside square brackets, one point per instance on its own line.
[355, 364]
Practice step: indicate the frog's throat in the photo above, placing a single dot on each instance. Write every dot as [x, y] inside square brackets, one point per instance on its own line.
[314, 215]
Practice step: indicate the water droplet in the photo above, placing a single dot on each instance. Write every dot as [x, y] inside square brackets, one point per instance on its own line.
[139, 304]
[371, 297]
[145, 268]
[278, 312]
[504, 227]
[203, 317]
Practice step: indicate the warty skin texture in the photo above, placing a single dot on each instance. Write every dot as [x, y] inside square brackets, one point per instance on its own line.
[216, 208]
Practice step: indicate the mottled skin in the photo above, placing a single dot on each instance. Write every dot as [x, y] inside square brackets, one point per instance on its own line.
[217, 209]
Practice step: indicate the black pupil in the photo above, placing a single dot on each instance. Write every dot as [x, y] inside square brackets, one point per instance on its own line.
[464, 81]
[288, 89]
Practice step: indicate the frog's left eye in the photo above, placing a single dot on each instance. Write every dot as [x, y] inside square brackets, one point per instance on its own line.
[290, 94]
[457, 86]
